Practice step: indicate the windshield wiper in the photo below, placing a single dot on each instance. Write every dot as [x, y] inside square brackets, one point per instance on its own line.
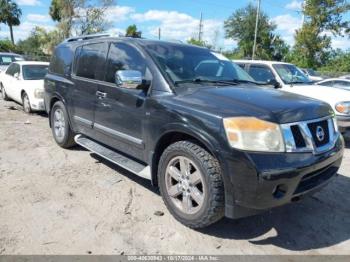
[201, 81]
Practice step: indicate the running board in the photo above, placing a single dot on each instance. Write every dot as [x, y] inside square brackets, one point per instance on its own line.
[116, 158]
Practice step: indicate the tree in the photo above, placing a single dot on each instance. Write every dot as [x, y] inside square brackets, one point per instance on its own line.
[323, 18]
[240, 26]
[80, 16]
[10, 14]
[7, 46]
[131, 31]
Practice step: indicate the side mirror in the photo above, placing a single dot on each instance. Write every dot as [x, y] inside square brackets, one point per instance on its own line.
[16, 75]
[273, 82]
[128, 78]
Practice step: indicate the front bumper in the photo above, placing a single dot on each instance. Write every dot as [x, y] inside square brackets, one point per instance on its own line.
[37, 104]
[343, 122]
[259, 182]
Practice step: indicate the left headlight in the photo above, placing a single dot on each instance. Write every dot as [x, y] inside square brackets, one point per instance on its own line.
[39, 93]
[253, 134]
[343, 107]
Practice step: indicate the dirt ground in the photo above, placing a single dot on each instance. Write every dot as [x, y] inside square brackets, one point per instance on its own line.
[56, 201]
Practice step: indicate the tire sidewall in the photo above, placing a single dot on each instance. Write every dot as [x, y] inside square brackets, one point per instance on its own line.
[23, 102]
[3, 92]
[169, 155]
[60, 105]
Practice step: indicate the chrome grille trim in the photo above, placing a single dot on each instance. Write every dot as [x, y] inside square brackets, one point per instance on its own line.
[307, 136]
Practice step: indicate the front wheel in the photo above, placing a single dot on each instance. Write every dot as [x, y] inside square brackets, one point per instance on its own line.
[61, 130]
[3, 93]
[191, 184]
[26, 104]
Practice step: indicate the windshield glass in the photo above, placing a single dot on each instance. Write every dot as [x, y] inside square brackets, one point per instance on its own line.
[8, 59]
[183, 63]
[290, 74]
[34, 72]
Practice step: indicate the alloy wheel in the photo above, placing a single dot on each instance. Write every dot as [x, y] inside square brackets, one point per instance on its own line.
[185, 184]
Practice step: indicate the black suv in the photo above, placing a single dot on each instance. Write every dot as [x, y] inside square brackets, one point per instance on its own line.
[192, 122]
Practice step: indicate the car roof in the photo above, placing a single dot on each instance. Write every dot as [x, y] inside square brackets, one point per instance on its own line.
[334, 79]
[8, 53]
[31, 63]
[140, 41]
[265, 62]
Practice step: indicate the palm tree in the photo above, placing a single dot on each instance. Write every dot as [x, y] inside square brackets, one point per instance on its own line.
[10, 14]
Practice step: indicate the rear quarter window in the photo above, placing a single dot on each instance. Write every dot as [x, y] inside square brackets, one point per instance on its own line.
[61, 61]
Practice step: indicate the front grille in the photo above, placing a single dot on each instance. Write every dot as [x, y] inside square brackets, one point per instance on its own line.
[315, 179]
[314, 129]
[298, 137]
[315, 136]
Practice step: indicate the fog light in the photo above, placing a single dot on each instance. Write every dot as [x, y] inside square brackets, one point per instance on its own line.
[279, 191]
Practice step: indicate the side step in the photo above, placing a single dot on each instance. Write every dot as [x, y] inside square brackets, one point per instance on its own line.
[116, 158]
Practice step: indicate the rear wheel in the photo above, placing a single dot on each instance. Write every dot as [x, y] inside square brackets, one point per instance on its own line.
[191, 185]
[26, 103]
[3, 93]
[61, 130]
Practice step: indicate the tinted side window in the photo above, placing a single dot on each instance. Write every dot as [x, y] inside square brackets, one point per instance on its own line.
[61, 61]
[260, 73]
[123, 57]
[328, 83]
[10, 70]
[91, 60]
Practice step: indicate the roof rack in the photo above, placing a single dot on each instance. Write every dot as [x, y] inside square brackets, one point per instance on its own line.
[86, 37]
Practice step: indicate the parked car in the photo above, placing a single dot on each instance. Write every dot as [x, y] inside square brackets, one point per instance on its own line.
[341, 83]
[345, 76]
[289, 78]
[23, 82]
[193, 123]
[312, 74]
[7, 58]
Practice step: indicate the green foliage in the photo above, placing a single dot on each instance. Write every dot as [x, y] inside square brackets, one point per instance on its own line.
[10, 15]
[339, 61]
[40, 42]
[7, 46]
[240, 26]
[131, 31]
[193, 41]
[312, 46]
[80, 16]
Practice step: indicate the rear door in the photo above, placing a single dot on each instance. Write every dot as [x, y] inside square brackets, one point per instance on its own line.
[88, 70]
[120, 113]
[12, 82]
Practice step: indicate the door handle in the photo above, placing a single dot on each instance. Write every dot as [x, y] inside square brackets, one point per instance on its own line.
[101, 94]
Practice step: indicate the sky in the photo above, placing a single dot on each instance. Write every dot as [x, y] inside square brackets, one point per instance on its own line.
[178, 19]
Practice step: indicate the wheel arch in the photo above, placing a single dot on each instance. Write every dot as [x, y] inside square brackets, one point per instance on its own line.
[173, 136]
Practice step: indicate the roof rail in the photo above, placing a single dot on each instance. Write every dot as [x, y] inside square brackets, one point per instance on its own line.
[86, 37]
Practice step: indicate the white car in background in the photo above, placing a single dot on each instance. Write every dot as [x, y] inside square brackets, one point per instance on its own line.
[312, 74]
[289, 78]
[341, 83]
[7, 58]
[23, 82]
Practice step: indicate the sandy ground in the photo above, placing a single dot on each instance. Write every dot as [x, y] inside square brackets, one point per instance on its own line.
[56, 201]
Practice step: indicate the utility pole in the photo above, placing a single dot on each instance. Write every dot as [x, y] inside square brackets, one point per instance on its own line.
[200, 32]
[303, 12]
[159, 33]
[256, 28]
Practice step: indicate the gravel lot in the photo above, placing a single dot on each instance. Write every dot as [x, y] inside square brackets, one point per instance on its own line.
[56, 201]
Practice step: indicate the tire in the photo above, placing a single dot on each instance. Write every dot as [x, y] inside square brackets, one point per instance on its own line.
[3, 93]
[61, 130]
[194, 204]
[26, 103]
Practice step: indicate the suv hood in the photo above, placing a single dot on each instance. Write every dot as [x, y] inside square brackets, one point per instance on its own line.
[245, 100]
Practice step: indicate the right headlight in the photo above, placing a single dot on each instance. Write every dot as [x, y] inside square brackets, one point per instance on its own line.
[39, 93]
[343, 107]
[253, 134]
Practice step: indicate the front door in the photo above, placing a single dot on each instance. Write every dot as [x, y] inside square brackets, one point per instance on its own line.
[88, 70]
[120, 113]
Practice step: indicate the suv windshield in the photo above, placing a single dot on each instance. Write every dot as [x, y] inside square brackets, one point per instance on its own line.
[290, 74]
[8, 59]
[34, 72]
[185, 63]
